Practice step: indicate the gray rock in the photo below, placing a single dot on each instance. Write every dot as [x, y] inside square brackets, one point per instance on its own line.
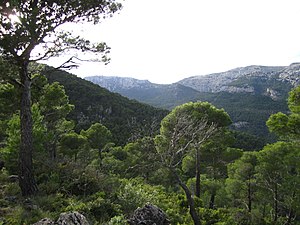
[114, 84]
[45, 221]
[13, 178]
[12, 199]
[72, 218]
[149, 215]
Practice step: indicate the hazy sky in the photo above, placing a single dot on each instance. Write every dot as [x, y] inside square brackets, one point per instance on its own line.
[167, 40]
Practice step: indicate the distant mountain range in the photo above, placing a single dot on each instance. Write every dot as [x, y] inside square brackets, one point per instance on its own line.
[159, 95]
[249, 94]
[265, 80]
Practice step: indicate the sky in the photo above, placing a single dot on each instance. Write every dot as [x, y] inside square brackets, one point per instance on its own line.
[164, 41]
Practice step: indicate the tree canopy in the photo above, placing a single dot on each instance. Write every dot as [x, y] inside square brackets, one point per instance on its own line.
[184, 130]
[28, 33]
[25, 25]
[238, 186]
[287, 126]
[187, 125]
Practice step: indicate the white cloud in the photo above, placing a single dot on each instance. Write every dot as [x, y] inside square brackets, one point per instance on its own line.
[167, 40]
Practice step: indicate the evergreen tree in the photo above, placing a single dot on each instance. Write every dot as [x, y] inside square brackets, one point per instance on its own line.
[185, 129]
[241, 182]
[36, 24]
[287, 127]
[278, 171]
[97, 136]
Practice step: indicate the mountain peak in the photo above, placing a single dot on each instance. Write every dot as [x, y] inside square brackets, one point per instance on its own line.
[249, 79]
[114, 83]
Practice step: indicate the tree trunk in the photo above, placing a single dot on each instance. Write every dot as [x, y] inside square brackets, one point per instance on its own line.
[53, 150]
[249, 195]
[190, 200]
[291, 212]
[53, 147]
[275, 203]
[212, 201]
[100, 157]
[26, 177]
[290, 216]
[197, 192]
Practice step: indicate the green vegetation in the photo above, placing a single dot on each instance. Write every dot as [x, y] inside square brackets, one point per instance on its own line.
[183, 134]
[195, 169]
[32, 36]
[126, 119]
[254, 110]
[69, 145]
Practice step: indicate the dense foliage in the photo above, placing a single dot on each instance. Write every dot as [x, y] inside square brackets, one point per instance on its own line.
[29, 32]
[105, 169]
[68, 145]
[126, 119]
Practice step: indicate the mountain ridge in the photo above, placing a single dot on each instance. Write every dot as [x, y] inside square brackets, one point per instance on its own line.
[112, 83]
[287, 73]
[230, 81]
[249, 94]
[272, 81]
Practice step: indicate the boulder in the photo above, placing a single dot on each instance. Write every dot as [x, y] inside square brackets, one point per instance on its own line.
[72, 218]
[149, 215]
[13, 178]
[45, 221]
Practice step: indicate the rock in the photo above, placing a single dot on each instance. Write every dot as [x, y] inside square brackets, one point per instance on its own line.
[28, 204]
[272, 94]
[114, 83]
[12, 199]
[149, 215]
[45, 221]
[240, 124]
[72, 218]
[13, 178]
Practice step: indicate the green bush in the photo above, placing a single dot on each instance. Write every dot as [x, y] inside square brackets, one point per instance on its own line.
[54, 203]
[118, 220]
[216, 216]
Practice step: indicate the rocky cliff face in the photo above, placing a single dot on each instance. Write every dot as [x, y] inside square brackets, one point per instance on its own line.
[245, 79]
[291, 74]
[271, 81]
[115, 84]
[264, 80]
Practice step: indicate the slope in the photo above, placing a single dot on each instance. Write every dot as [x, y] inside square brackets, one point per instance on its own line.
[159, 95]
[127, 119]
[249, 94]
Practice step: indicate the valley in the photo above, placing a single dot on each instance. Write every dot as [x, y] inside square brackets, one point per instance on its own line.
[249, 94]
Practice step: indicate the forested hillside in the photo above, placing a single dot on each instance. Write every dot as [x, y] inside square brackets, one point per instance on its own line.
[74, 153]
[190, 170]
[249, 113]
[127, 119]
[101, 154]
